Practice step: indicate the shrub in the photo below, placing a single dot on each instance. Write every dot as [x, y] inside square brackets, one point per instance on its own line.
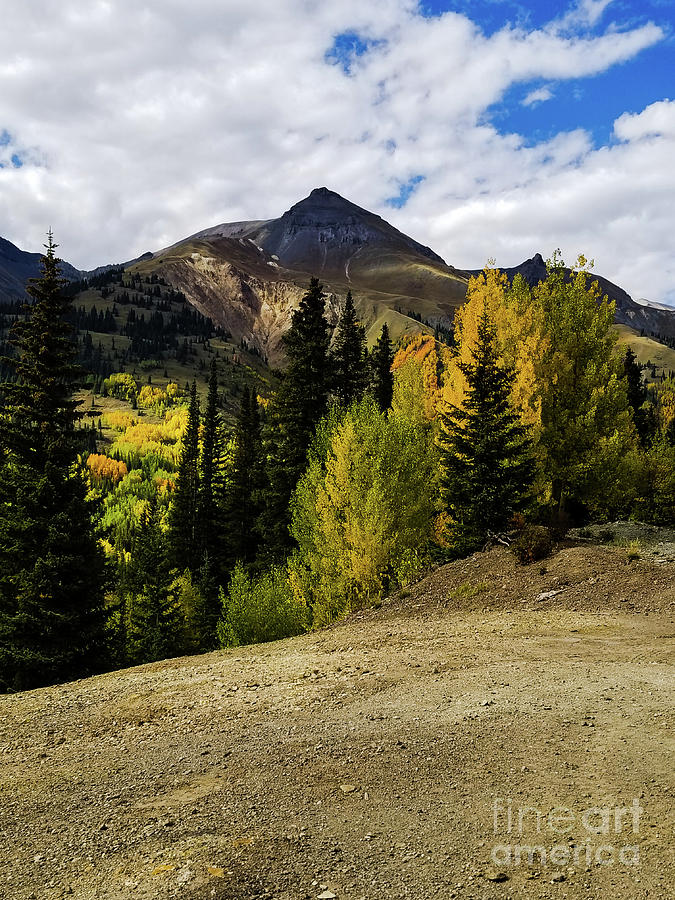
[533, 543]
[263, 608]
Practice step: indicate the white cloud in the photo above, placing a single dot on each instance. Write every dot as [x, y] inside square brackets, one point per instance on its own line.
[142, 121]
[584, 14]
[537, 96]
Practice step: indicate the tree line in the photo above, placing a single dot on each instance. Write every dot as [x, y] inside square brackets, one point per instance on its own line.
[364, 468]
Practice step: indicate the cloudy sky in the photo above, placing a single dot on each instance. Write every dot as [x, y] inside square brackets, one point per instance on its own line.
[483, 128]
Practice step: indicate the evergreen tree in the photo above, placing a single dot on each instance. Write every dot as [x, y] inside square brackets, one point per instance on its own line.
[349, 356]
[301, 403]
[383, 377]
[207, 613]
[644, 414]
[183, 526]
[156, 628]
[207, 516]
[487, 470]
[52, 616]
[245, 487]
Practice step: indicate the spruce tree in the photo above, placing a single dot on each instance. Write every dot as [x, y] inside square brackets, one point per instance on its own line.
[242, 505]
[52, 615]
[644, 416]
[209, 526]
[207, 516]
[383, 378]
[155, 628]
[487, 467]
[183, 525]
[301, 403]
[349, 356]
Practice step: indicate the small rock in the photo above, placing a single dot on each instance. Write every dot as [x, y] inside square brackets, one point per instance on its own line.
[216, 871]
[327, 895]
[497, 876]
[557, 878]
[347, 788]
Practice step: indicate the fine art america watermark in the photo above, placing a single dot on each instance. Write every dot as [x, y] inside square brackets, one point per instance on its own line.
[533, 837]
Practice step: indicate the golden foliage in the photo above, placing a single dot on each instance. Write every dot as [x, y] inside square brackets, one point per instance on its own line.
[103, 468]
[417, 368]
[118, 419]
[521, 338]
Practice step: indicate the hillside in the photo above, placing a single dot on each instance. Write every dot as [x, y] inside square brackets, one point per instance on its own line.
[17, 266]
[363, 761]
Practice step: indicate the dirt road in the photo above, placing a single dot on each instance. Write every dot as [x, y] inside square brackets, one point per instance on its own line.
[379, 758]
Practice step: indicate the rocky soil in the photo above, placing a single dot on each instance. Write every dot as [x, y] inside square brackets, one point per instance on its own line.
[365, 760]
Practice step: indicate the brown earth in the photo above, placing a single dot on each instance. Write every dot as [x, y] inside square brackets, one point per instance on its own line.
[364, 760]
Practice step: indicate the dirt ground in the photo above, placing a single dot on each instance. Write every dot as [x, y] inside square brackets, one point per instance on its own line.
[379, 758]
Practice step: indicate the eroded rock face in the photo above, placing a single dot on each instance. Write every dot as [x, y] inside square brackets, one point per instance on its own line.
[247, 305]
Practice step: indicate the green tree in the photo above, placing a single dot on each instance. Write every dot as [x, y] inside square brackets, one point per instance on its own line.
[156, 627]
[486, 462]
[184, 538]
[246, 483]
[383, 378]
[586, 427]
[643, 412]
[209, 525]
[52, 572]
[300, 404]
[363, 510]
[349, 356]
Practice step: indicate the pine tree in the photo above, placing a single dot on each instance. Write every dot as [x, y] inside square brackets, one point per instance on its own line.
[383, 378]
[487, 469]
[155, 628]
[644, 416]
[242, 505]
[52, 616]
[183, 526]
[349, 356]
[209, 526]
[301, 403]
[207, 516]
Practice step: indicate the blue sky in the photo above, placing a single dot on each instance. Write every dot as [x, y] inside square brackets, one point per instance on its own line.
[482, 128]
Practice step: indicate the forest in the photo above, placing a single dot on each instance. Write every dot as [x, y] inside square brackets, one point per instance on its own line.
[178, 519]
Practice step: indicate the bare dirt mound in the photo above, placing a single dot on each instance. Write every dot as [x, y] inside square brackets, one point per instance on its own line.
[392, 755]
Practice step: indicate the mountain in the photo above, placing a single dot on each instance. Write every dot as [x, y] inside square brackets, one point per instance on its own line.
[249, 276]
[17, 266]
[653, 319]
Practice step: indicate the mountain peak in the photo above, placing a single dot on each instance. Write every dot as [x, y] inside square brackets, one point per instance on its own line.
[324, 192]
[330, 202]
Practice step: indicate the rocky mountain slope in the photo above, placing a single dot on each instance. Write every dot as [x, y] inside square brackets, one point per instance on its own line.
[364, 761]
[249, 276]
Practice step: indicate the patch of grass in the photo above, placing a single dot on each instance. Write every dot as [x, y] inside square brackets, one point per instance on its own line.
[633, 548]
[467, 591]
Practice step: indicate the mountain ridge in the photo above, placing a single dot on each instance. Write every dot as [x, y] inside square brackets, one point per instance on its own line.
[248, 276]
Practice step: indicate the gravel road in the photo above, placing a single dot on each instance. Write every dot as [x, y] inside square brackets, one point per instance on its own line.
[383, 757]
